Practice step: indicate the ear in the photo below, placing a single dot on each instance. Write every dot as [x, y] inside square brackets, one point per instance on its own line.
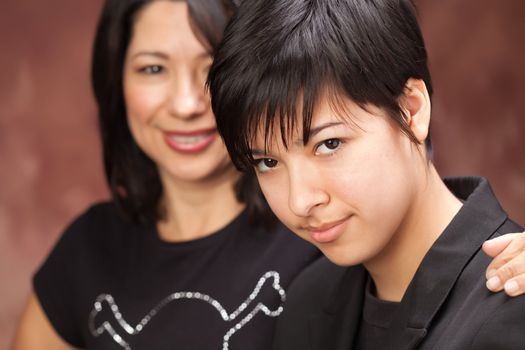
[415, 101]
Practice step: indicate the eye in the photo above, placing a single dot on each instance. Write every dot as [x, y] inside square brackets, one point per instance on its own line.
[329, 146]
[153, 69]
[265, 164]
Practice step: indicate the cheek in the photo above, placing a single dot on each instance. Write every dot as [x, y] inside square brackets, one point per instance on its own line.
[143, 102]
[375, 177]
[382, 188]
[276, 193]
[142, 107]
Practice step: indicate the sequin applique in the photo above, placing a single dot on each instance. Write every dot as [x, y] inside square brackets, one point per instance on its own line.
[97, 331]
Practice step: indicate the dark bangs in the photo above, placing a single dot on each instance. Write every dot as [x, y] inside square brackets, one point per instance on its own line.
[279, 57]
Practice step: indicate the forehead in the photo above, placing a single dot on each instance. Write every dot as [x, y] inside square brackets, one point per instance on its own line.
[165, 25]
[296, 128]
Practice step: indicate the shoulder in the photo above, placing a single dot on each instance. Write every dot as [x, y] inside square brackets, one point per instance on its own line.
[63, 274]
[96, 221]
[508, 227]
[101, 212]
[100, 225]
[507, 319]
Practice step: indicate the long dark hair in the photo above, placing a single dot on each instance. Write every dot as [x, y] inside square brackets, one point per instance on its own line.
[132, 176]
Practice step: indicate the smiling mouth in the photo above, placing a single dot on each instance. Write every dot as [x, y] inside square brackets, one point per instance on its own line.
[190, 142]
[189, 139]
[328, 232]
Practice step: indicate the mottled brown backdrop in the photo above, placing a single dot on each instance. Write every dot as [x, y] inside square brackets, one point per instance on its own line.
[50, 164]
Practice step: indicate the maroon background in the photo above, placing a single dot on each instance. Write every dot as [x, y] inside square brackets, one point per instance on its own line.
[50, 166]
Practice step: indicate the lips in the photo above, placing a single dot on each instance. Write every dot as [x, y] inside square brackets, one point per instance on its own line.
[190, 142]
[327, 232]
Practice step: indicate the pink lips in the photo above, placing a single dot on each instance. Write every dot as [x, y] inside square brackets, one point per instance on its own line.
[190, 142]
[328, 232]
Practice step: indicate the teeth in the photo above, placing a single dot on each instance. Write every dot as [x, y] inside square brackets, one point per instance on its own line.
[189, 139]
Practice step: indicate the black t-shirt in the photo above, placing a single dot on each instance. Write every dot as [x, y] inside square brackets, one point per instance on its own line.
[375, 320]
[108, 284]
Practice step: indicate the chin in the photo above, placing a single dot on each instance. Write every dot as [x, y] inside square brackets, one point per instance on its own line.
[343, 256]
[202, 168]
[194, 176]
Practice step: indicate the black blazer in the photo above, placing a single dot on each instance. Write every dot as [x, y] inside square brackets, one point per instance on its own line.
[446, 306]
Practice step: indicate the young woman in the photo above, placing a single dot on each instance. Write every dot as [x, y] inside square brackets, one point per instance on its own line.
[186, 256]
[329, 103]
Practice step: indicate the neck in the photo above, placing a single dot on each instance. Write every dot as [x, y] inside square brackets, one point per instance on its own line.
[433, 208]
[195, 209]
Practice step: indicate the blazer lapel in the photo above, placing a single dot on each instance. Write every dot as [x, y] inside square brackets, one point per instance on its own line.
[337, 326]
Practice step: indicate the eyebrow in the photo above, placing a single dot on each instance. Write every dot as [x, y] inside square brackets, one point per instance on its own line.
[165, 56]
[318, 129]
[258, 152]
[150, 53]
[312, 133]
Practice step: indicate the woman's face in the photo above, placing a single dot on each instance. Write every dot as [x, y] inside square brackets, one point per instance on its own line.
[349, 189]
[168, 108]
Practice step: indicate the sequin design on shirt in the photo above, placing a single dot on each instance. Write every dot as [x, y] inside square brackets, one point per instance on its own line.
[106, 326]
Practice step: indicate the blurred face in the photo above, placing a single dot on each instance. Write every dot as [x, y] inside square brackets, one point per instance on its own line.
[349, 189]
[169, 111]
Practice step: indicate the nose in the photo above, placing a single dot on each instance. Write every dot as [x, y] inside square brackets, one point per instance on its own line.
[306, 190]
[188, 98]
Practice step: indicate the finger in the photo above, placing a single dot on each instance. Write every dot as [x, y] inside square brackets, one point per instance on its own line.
[495, 246]
[502, 275]
[494, 284]
[507, 248]
[515, 286]
[514, 268]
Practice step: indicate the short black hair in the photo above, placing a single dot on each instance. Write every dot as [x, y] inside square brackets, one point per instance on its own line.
[131, 175]
[276, 53]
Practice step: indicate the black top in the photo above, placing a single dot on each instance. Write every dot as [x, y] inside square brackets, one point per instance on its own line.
[375, 320]
[111, 285]
[446, 305]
